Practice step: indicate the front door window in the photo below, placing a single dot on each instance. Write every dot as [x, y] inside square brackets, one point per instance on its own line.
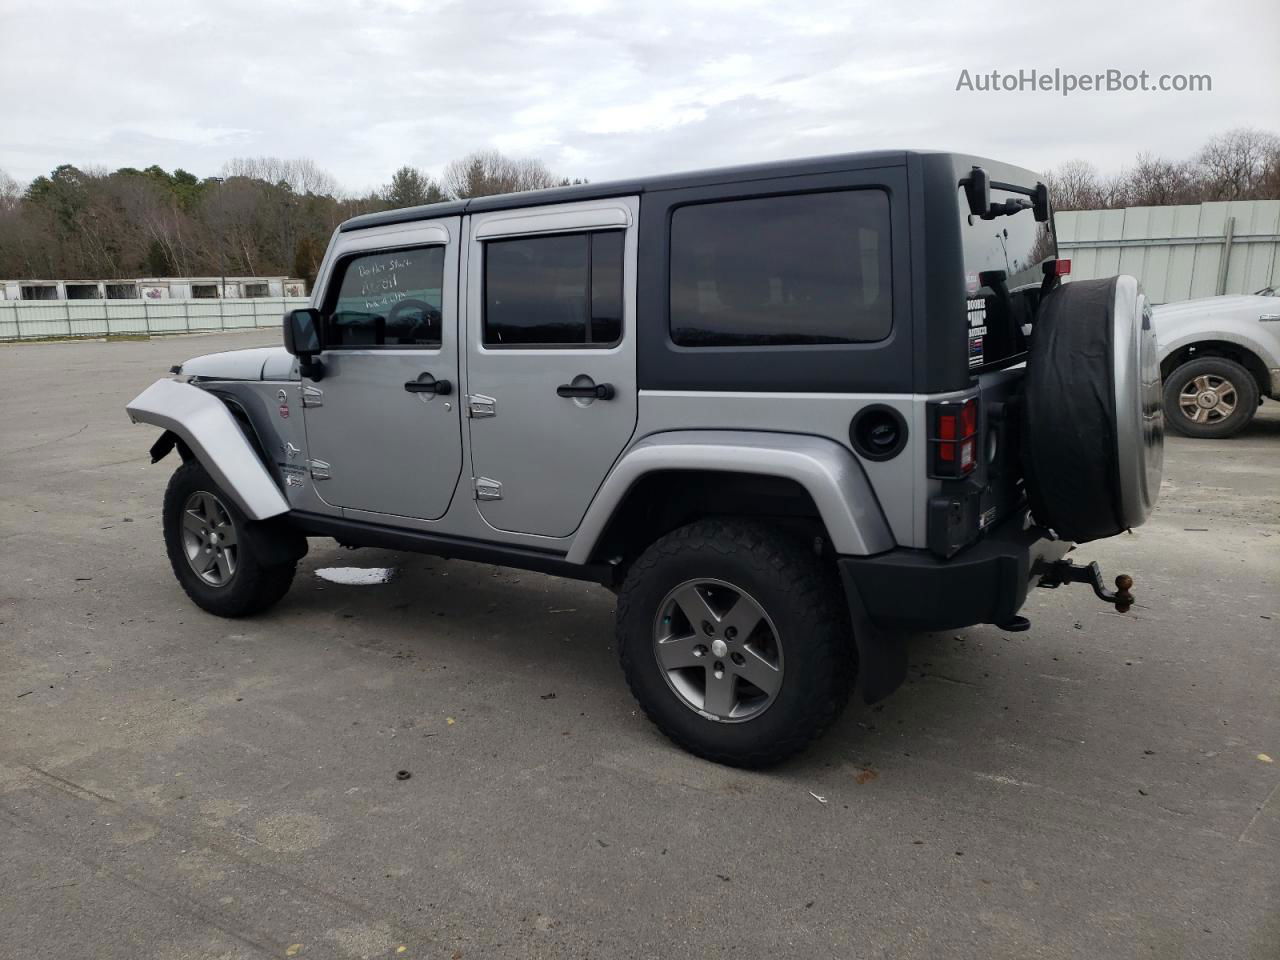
[389, 299]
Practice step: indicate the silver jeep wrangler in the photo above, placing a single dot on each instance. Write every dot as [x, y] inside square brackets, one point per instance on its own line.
[788, 412]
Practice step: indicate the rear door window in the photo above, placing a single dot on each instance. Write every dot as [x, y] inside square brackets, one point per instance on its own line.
[770, 271]
[563, 290]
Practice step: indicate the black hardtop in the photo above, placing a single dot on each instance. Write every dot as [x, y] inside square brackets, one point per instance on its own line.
[619, 188]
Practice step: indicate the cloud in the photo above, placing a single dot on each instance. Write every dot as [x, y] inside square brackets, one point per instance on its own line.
[605, 89]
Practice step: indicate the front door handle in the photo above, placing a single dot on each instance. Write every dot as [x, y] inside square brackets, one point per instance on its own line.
[590, 391]
[426, 383]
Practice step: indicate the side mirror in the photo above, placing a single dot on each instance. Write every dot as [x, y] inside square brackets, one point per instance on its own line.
[302, 339]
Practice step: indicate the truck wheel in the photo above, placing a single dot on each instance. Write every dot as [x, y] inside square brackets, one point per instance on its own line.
[226, 563]
[1210, 398]
[1092, 427]
[735, 640]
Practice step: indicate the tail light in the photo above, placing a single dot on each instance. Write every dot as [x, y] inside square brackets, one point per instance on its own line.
[954, 438]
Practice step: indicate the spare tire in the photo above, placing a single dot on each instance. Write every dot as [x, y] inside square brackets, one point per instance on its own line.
[1092, 430]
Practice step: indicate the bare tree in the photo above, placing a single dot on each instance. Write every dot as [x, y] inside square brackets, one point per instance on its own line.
[153, 215]
[302, 175]
[1075, 185]
[1156, 182]
[1269, 181]
[10, 193]
[232, 234]
[1237, 163]
[486, 172]
[272, 216]
[1113, 191]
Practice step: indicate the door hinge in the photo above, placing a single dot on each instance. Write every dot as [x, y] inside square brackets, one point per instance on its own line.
[479, 406]
[312, 396]
[319, 469]
[487, 489]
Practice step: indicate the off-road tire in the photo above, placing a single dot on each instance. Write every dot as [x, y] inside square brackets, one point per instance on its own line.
[800, 594]
[256, 584]
[1091, 428]
[1242, 383]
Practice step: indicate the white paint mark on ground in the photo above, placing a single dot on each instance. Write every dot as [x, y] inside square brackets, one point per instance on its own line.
[356, 576]
[1000, 778]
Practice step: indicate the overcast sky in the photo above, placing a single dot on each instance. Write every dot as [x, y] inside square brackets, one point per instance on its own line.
[607, 89]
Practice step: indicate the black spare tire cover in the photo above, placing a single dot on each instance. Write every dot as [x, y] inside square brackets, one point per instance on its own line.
[1092, 424]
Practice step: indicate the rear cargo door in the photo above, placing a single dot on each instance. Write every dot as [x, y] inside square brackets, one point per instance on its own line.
[1004, 259]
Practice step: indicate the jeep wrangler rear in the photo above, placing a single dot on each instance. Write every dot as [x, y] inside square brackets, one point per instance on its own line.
[788, 412]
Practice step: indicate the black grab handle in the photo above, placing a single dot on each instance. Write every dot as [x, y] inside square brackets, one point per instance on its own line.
[596, 391]
[441, 387]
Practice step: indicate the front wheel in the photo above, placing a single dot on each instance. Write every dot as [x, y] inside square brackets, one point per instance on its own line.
[1210, 397]
[226, 563]
[735, 640]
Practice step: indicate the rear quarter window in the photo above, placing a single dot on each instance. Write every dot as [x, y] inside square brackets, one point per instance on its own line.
[808, 268]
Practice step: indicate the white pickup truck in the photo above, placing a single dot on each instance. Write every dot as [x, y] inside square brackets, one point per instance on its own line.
[1219, 356]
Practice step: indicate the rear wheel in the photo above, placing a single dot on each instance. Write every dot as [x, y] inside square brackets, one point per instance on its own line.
[1210, 397]
[735, 640]
[226, 563]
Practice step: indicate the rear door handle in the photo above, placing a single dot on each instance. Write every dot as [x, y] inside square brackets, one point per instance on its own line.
[426, 383]
[591, 391]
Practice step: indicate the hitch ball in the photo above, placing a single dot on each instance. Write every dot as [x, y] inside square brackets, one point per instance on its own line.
[1124, 599]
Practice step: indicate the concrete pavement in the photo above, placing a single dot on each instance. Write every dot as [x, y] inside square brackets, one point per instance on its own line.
[174, 785]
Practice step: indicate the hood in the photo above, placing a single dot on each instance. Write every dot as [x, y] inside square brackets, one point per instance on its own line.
[257, 363]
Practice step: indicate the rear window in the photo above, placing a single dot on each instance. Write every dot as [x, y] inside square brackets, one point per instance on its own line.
[801, 269]
[1003, 260]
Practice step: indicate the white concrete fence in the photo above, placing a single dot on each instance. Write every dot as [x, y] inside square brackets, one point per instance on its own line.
[1179, 252]
[44, 319]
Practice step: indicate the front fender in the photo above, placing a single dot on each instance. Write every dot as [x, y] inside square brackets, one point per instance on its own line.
[1268, 354]
[830, 473]
[210, 432]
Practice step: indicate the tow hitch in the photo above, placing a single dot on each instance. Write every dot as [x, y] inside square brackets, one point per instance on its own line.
[1064, 571]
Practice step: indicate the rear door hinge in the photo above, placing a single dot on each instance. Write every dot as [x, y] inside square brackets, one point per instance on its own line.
[487, 489]
[319, 469]
[479, 406]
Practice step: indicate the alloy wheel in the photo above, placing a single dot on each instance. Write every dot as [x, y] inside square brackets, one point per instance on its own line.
[209, 538]
[718, 650]
[1207, 399]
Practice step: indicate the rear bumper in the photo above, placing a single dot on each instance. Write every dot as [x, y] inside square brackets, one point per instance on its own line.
[984, 583]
